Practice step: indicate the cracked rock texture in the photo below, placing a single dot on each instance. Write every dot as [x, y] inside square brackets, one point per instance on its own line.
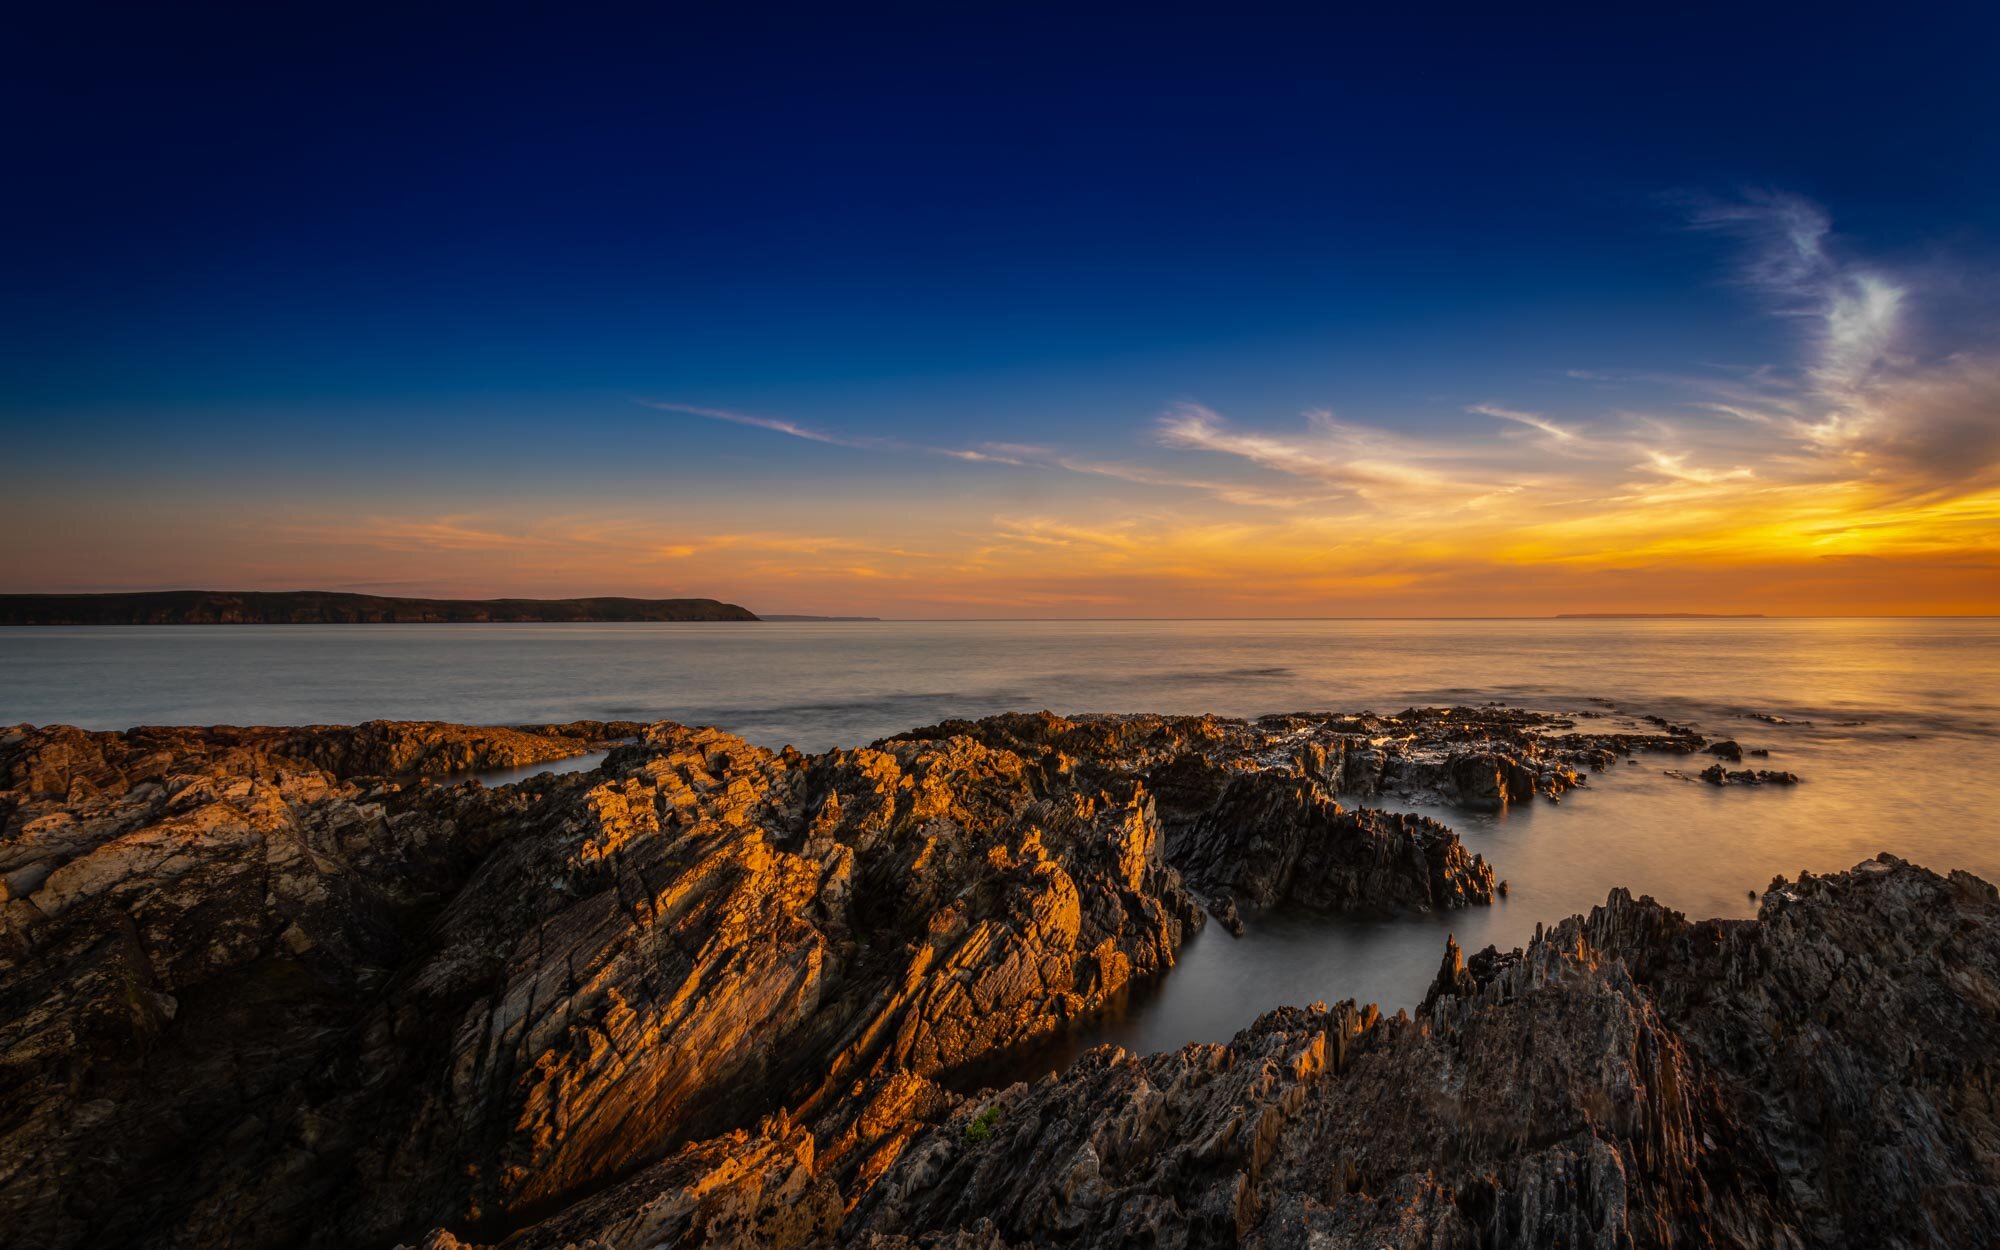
[1820, 1076]
[278, 987]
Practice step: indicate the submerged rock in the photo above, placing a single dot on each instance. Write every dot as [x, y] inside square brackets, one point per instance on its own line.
[1717, 775]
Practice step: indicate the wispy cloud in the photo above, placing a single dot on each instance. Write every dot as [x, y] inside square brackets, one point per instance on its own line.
[1006, 454]
[1871, 399]
[1533, 420]
[1786, 234]
[1674, 465]
[1874, 437]
[776, 425]
[975, 456]
[1227, 492]
[1009, 455]
[1351, 457]
[448, 533]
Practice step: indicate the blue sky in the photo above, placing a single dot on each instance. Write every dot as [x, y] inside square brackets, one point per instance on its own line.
[398, 267]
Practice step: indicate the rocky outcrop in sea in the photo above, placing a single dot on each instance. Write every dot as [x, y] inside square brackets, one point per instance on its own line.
[283, 987]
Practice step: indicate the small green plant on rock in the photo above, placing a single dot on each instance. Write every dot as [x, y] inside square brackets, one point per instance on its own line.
[982, 1124]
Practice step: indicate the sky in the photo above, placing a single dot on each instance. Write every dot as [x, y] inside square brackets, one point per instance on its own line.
[982, 310]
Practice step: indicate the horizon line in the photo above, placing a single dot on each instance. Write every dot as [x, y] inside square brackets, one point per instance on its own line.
[1555, 616]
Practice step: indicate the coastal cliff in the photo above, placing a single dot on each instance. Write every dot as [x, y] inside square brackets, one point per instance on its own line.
[292, 987]
[322, 607]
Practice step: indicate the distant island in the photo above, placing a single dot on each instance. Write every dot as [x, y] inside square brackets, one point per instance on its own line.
[325, 607]
[1659, 616]
[793, 616]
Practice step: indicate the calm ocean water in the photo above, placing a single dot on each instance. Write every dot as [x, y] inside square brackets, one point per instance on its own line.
[1896, 732]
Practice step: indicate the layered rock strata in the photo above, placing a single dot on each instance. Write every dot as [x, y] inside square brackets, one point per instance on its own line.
[275, 987]
[1820, 1076]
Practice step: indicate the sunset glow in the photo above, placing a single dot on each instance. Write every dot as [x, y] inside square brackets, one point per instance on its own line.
[1733, 398]
[783, 627]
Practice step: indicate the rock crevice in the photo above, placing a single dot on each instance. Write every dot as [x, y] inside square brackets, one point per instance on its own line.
[292, 987]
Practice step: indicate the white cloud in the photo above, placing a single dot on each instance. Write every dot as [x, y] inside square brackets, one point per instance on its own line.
[1869, 399]
[1533, 420]
[1354, 458]
[1862, 401]
[1786, 234]
[1674, 465]
[774, 424]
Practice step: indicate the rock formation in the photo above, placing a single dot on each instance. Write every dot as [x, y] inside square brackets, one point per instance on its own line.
[275, 987]
[1717, 775]
[1821, 1076]
[1476, 758]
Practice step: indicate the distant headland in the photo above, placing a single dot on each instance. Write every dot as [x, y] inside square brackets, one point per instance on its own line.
[1659, 616]
[325, 607]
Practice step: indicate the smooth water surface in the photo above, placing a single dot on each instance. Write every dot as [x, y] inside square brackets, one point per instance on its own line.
[1895, 730]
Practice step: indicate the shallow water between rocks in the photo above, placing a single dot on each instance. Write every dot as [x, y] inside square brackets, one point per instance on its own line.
[1893, 725]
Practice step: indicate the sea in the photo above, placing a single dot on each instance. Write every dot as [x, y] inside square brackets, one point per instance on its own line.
[1893, 724]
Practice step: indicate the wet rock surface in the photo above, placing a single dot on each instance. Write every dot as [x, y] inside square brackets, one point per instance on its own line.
[272, 988]
[1717, 775]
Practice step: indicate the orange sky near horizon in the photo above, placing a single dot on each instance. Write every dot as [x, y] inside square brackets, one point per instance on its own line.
[1860, 478]
[1808, 549]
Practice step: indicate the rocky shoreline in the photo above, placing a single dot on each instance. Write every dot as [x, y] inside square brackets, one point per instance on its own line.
[298, 987]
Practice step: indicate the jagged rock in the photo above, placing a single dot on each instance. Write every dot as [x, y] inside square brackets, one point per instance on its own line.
[1271, 838]
[1820, 1076]
[248, 979]
[270, 989]
[1225, 913]
[755, 1190]
[1727, 749]
[192, 917]
[710, 932]
[73, 766]
[1478, 758]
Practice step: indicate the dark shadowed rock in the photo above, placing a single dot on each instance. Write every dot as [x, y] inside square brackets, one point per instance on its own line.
[273, 988]
[1818, 1077]
[1272, 838]
[1717, 775]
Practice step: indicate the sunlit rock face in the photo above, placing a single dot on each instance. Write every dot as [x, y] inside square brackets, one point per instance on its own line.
[714, 994]
[243, 978]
